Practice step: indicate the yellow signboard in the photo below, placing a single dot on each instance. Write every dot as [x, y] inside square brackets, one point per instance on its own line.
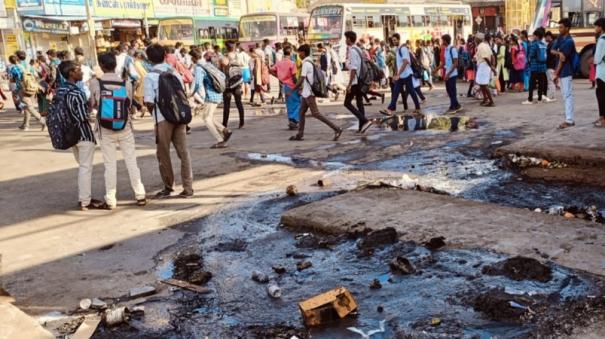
[10, 4]
[11, 45]
[126, 9]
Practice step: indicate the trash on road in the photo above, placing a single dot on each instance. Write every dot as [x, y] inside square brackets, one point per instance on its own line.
[402, 265]
[435, 321]
[116, 316]
[327, 307]
[291, 190]
[370, 333]
[303, 265]
[98, 304]
[274, 291]
[87, 328]
[85, 303]
[260, 277]
[187, 286]
[139, 292]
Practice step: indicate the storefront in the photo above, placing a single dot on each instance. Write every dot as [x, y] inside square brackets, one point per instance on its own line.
[110, 32]
[488, 16]
[10, 39]
[58, 33]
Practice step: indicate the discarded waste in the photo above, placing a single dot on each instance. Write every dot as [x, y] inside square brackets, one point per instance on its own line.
[116, 316]
[87, 328]
[85, 303]
[187, 286]
[98, 304]
[260, 277]
[291, 191]
[327, 307]
[375, 284]
[435, 321]
[139, 292]
[188, 266]
[569, 215]
[274, 291]
[402, 265]
[520, 268]
[499, 305]
[367, 335]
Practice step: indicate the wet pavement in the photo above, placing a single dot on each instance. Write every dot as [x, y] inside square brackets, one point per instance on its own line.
[449, 295]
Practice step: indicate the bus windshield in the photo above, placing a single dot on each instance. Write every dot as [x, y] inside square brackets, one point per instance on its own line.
[181, 30]
[258, 26]
[326, 22]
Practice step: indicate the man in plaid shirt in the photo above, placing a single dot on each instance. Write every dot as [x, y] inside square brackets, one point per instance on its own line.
[537, 55]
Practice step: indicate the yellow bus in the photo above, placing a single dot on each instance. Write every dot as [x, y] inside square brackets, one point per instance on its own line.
[424, 21]
[194, 31]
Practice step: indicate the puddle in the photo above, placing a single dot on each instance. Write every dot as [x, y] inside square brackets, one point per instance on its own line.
[295, 161]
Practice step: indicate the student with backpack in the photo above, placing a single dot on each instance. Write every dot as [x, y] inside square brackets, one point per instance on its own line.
[451, 73]
[165, 98]
[537, 56]
[112, 97]
[565, 48]
[72, 99]
[233, 85]
[313, 84]
[285, 70]
[599, 62]
[356, 88]
[212, 80]
[404, 77]
[518, 58]
[28, 87]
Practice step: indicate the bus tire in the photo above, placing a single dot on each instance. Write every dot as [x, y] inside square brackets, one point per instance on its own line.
[585, 57]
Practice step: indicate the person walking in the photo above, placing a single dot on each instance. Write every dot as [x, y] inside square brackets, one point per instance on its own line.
[451, 73]
[404, 77]
[211, 100]
[518, 57]
[307, 78]
[501, 69]
[471, 70]
[77, 107]
[355, 57]
[599, 62]
[27, 86]
[233, 90]
[166, 132]
[485, 61]
[115, 129]
[285, 70]
[537, 64]
[565, 48]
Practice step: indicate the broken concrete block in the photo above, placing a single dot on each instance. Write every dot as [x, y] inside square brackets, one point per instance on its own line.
[139, 292]
[435, 243]
[378, 238]
[327, 307]
[291, 190]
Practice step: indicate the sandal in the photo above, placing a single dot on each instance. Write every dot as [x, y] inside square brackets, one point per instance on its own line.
[337, 134]
[105, 206]
[566, 125]
[296, 138]
[218, 145]
[599, 123]
[142, 202]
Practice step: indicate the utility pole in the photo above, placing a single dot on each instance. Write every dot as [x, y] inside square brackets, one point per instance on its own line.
[91, 32]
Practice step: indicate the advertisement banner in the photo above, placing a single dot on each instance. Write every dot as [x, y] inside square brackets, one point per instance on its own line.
[64, 7]
[11, 44]
[131, 9]
[29, 4]
[168, 8]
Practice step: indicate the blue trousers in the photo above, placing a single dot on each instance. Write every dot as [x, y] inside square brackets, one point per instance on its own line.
[450, 88]
[409, 88]
[292, 103]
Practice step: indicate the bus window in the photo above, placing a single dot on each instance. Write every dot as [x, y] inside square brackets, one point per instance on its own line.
[348, 25]
[212, 32]
[445, 20]
[359, 21]
[418, 21]
[572, 9]
[403, 21]
[258, 26]
[374, 21]
[204, 33]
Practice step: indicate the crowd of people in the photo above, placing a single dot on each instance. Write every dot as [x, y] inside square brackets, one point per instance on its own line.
[174, 83]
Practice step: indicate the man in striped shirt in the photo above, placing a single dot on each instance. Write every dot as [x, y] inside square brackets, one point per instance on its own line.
[76, 105]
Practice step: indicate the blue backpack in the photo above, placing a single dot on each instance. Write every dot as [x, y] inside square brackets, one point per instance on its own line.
[114, 106]
[542, 52]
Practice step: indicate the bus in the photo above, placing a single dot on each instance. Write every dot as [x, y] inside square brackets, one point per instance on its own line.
[582, 14]
[195, 31]
[276, 27]
[424, 21]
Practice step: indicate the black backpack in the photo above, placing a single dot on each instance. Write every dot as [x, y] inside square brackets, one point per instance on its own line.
[319, 86]
[62, 126]
[172, 101]
[234, 77]
[366, 73]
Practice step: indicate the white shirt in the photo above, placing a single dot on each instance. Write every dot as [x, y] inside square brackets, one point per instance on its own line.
[150, 87]
[403, 54]
[243, 59]
[354, 60]
[269, 54]
[599, 55]
[307, 71]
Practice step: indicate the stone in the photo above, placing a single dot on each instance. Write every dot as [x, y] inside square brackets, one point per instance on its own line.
[98, 304]
[291, 191]
[85, 303]
[375, 284]
[303, 265]
[402, 265]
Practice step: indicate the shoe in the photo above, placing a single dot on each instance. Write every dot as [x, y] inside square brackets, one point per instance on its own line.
[527, 102]
[219, 145]
[82, 207]
[105, 206]
[22, 127]
[142, 202]
[226, 135]
[365, 126]
[547, 100]
[450, 111]
[165, 193]
[186, 194]
[241, 126]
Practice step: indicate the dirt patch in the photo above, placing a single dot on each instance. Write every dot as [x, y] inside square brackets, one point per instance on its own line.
[520, 268]
[188, 266]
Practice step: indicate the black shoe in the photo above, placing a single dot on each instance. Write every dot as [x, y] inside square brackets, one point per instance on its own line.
[185, 194]
[165, 193]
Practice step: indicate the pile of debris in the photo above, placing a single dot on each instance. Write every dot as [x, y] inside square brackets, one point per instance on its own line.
[522, 161]
[590, 213]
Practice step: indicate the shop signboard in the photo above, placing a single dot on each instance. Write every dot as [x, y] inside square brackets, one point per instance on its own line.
[131, 9]
[41, 26]
[10, 4]
[170, 8]
[11, 44]
[29, 4]
[64, 7]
